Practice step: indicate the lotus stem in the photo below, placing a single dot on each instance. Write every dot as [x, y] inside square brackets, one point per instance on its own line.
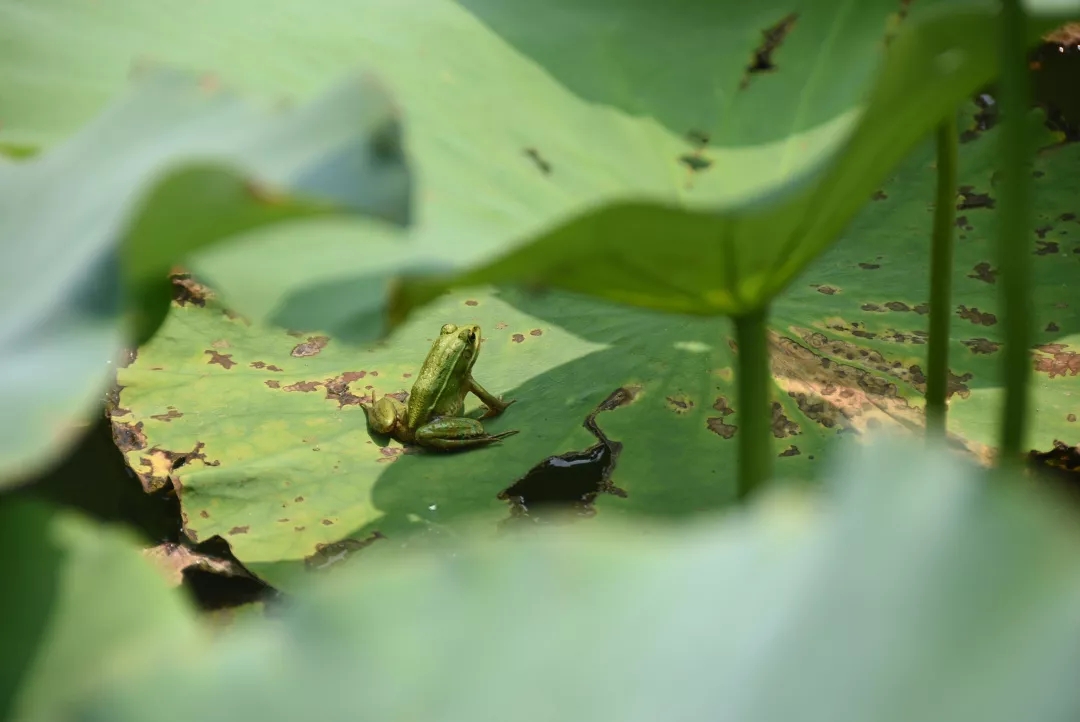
[752, 377]
[941, 263]
[1014, 255]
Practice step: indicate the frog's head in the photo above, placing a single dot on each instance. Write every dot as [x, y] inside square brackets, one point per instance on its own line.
[465, 341]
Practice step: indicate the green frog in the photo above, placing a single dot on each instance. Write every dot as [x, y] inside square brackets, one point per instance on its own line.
[432, 416]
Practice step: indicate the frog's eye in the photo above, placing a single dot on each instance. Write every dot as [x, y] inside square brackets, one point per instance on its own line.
[448, 328]
[472, 336]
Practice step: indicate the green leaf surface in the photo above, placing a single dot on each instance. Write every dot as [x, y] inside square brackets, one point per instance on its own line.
[90, 228]
[262, 433]
[917, 591]
[566, 134]
[80, 604]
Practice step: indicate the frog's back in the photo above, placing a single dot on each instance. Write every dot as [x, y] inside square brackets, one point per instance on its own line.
[435, 392]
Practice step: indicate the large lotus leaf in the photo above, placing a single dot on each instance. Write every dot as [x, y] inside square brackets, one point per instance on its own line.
[80, 603]
[608, 133]
[917, 592]
[832, 373]
[869, 294]
[89, 229]
[262, 434]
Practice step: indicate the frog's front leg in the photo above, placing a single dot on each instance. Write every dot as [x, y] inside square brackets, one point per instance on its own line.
[452, 433]
[495, 405]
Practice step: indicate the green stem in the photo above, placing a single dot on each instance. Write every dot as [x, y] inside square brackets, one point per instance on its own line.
[1014, 255]
[752, 376]
[941, 262]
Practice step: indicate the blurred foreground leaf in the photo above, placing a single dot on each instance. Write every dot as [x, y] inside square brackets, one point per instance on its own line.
[916, 591]
[90, 228]
[80, 603]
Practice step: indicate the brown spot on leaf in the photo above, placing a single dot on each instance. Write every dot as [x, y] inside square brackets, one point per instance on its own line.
[186, 290]
[222, 359]
[299, 528]
[922, 309]
[539, 160]
[843, 395]
[303, 386]
[283, 520]
[311, 347]
[983, 272]
[159, 464]
[1042, 231]
[272, 383]
[976, 316]
[981, 346]
[962, 222]
[327, 522]
[698, 137]
[791, 451]
[897, 306]
[1052, 327]
[1056, 361]
[1071, 418]
[782, 426]
[969, 199]
[716, 425]
[535, 332]
[869, 266]
[872, 308]
[879, 195]
[695, 161]
[337, 389]
[517, 338]
[771, 40]
[298, 499]
[957, 385]
[680, 403]
[128, 437]
[827, 290]
[500, 326]
[721, 405]
[471, 302]
[1046, 248]
[239, 530]
[204, 514]
[168, 416]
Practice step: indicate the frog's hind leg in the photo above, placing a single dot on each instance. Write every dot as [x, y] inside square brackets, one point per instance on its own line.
[456, 433]
[495, 405]
[385, 414]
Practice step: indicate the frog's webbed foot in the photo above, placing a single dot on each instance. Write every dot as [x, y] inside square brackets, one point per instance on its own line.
[456, 433]
[495, 409]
